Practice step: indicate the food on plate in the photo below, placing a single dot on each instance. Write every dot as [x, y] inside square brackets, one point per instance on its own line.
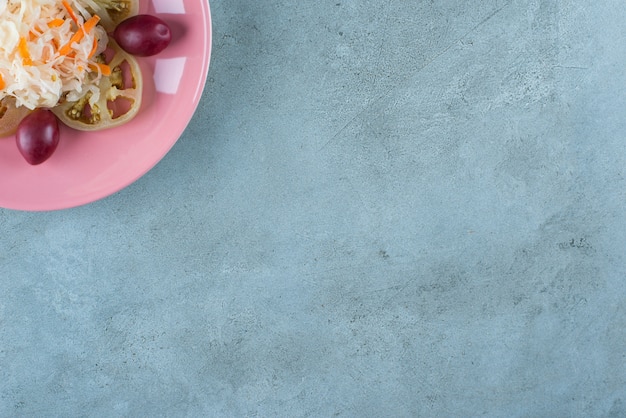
[143, 35]
[37, 136]
[48, 50]
[112, 12]
[119, 97]
[60, 56]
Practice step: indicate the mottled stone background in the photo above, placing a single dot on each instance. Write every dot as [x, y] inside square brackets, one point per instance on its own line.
[382, 208]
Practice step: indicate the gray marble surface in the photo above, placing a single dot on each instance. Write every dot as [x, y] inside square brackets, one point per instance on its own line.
[381, 208]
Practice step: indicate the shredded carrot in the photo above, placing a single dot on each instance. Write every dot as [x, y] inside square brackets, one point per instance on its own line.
[70, 11]
[65, 49]
[104, 69]
[32, 35]
[23, 50]
[55, 23]
[89, 25]
[59, 43]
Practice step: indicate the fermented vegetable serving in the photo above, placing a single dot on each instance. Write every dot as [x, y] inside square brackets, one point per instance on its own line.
[61, 56]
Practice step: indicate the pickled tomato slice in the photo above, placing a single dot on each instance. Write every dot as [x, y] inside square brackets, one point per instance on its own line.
[120, 96]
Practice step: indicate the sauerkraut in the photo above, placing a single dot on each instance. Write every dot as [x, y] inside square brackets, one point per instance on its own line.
[50, 49]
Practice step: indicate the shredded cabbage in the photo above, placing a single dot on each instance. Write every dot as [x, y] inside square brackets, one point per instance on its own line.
[33, 68]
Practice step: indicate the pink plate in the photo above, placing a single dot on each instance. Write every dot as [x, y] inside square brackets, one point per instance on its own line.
[88, 166]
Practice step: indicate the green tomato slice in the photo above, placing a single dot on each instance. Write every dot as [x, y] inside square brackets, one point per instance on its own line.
[119, 101]
[112, 12]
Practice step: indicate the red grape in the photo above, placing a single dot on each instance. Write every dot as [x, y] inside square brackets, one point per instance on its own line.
[37, 136]
[143, 35]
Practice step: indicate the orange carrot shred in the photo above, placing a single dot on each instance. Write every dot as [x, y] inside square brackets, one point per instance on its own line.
[65, 49]
[90, 23]
[93, 21]
[55, 23]
[23, 50]
[70, 11]
[2, 83]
